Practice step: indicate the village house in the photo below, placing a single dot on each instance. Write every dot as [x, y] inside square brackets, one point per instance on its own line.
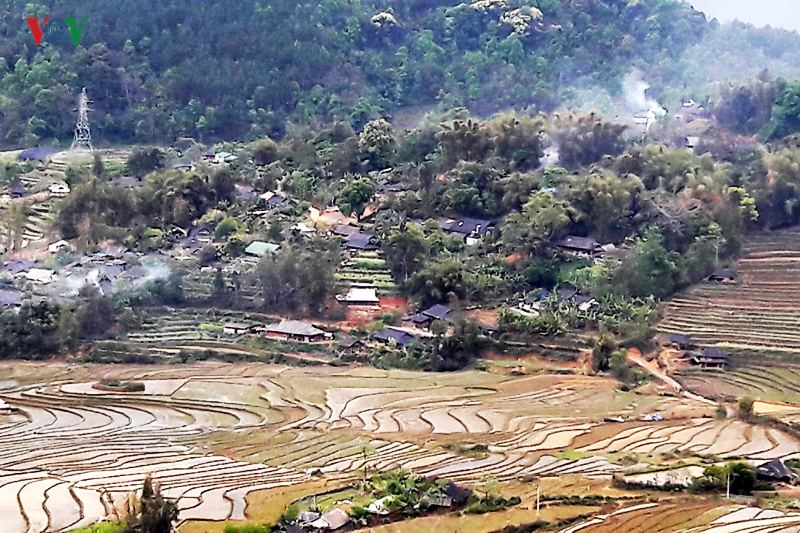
[425, 318]
[203, 233]
[328, 217]
[532, 303]
[351, 344]
[776, 471]
[722, 276]
[709, 358]
[681, 342]
[261, 248]
[360, 296]
[16, 190]
[295, 330]
[40, 275]
[398, 336]
[362, 241]
[236, 328]
[19, 266]
[40, 154]
[274, 200]
[383, 192]
[182, 165]
[60, 246]
[472, 230]
[6, 409]
[59, 190]
[579, 246]
[10, 298]
[332, 520]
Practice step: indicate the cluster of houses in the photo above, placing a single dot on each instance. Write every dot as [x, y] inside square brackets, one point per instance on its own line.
[286, 330]
[337, 519]
[535, 302]
[103, 270]
[705, 358]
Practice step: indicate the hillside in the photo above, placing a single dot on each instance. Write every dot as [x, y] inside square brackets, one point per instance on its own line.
[759, 312]
[147, 69]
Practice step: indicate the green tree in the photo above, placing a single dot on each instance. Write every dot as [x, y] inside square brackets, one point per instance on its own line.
[142, 161]
[406, 250]
[584, 139]
[378, 143]
[649, 270]
[226, 227]
[355, 196]
[543, 218]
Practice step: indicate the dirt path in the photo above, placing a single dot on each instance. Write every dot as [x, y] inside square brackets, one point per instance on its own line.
[636, 357]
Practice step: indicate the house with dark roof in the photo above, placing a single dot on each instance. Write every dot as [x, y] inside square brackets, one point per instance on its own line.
[351, 343]
[400, 337]
[532, 302]
[16, 190]
[471, 229]
[127, 182]
[390, 188]
[10, 298]
[19, 266]
[362, 241]
[203, 233]
[566, 294]
[776, 471]
[38, 154]
[580, 246]
[709, 358]
[296, 330]
[437, 312]
[722, 276]
[418, 321]
[277, 201]
[682, 342]
[191, 244]
[182, 165]
[459, 495]
[346, 230]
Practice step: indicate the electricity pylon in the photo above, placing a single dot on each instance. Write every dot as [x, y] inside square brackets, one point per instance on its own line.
[83, 136]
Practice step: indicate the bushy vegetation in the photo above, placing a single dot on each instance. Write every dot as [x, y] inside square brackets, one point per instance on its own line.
[101, 527]
[740, 477]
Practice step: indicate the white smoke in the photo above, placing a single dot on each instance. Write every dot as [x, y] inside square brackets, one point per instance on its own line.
[645, 109]
[550, 156]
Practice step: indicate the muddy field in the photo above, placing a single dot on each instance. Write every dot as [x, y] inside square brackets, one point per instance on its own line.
[213, 433]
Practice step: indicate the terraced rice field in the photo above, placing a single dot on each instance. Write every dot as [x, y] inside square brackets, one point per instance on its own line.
[366, 269]
[768, 383]
[212, 433]
[684, 517]
[760, 312]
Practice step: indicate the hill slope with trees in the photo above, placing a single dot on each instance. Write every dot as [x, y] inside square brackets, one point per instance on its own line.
[162, 70]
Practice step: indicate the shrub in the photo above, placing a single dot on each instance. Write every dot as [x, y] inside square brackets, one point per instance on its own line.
[291, 513]
[746, 407]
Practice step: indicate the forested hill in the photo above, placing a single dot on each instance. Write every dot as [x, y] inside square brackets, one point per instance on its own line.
[236, 69]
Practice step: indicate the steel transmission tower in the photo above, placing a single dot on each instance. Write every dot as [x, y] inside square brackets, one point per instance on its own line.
[83, 136]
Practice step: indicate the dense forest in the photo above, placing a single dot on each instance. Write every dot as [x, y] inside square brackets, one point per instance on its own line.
[160, 70]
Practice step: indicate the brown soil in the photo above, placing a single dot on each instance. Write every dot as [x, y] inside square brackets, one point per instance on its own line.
[487, 317]
[361, 315]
